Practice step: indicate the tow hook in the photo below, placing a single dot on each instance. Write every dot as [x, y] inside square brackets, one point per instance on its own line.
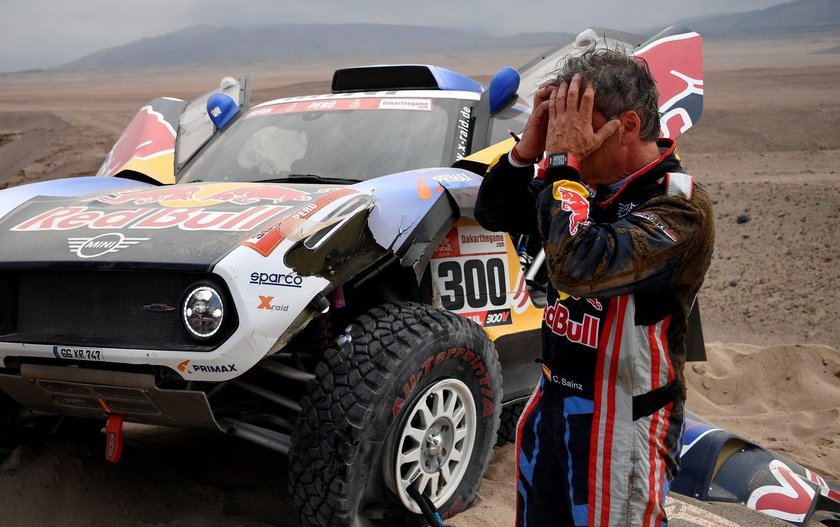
[114, 438]
[426, 506]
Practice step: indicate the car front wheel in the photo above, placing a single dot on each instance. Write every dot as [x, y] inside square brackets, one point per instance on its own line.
[409, 397]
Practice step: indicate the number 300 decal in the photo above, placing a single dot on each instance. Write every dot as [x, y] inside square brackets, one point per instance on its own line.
[476, 282]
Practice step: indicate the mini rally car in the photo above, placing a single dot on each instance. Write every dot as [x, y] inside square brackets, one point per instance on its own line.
[292, 274]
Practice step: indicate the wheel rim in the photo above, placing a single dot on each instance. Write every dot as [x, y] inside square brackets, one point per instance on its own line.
[435, 444]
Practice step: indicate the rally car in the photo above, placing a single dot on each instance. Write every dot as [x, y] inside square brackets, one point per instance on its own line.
[293, 274]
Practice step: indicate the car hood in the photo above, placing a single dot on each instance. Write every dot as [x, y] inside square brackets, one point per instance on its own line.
[189, 227]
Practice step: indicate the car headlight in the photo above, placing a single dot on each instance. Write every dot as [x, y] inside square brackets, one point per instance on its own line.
[203, 311]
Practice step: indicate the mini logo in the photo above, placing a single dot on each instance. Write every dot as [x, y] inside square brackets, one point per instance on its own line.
[102, 244]
[158, 308]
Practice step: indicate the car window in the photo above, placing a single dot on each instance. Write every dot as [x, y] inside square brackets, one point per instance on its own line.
[511, 118]
[358, 139]
[261, 154]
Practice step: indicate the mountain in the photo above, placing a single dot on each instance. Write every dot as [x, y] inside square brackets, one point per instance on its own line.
[810, 15]
[288, 42]
[284, 42]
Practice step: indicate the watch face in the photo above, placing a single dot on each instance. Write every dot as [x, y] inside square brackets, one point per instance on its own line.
[558, 160]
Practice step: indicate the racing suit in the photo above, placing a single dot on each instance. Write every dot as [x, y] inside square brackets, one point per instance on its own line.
[599, 439]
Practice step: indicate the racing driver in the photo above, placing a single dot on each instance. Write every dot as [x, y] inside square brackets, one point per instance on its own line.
[628, 238]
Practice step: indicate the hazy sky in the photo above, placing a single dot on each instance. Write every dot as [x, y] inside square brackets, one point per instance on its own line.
[45, 33]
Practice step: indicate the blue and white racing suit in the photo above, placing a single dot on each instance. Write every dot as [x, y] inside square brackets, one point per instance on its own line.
[599, 439]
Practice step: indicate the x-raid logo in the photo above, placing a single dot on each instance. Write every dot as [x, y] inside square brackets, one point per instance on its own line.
[102, 244]
[265, 303]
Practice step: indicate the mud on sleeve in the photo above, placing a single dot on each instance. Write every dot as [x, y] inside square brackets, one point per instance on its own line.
[645, 250]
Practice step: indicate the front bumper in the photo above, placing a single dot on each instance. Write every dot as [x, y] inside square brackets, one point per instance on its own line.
[94, 393]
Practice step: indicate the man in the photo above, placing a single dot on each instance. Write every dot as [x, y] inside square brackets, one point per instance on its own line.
[628, 238]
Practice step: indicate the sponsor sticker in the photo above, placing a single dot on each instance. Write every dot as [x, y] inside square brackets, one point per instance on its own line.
[266, 303]
[464, 119]
[187, 219]
[487, 319]
[424, 105]
[189, 368]
[277, 279]
[478, 241]
[359, 103]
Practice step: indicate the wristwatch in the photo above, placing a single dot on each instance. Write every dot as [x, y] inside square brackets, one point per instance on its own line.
[563, 159]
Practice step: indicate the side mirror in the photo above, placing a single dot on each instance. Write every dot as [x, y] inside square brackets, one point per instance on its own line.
[502, 88]
[221, 108]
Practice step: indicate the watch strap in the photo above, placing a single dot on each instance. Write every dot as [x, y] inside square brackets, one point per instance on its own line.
[563, 159]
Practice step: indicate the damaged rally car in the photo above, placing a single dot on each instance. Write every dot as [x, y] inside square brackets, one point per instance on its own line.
[290, 274]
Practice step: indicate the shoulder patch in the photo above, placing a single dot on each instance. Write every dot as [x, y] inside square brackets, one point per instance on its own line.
[573, 199]
[657, 222]
[679, 184]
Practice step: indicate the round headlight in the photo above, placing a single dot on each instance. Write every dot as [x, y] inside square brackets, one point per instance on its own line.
[203, 312]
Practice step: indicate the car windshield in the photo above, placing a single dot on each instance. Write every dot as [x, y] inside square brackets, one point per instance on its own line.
[334, 140]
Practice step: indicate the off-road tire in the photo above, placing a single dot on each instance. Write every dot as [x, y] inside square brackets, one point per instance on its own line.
[354, 411]
[508, 421]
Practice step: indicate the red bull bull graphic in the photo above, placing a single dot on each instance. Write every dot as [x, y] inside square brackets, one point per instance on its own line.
[680, 90]
[790, 500]
[147, 146]
[574, 202]
[186, 196]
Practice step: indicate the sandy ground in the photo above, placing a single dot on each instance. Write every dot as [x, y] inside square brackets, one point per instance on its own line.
[768, 150]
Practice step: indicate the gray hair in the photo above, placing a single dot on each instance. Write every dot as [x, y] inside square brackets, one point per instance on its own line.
[622, 82]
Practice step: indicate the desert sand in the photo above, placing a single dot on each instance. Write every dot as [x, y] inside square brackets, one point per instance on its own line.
[767, 148]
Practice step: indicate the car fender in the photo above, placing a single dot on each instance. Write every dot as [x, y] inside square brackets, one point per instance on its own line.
[413, 210]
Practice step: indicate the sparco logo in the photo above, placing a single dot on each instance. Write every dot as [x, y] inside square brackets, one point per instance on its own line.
[285, 280]
[102, 244]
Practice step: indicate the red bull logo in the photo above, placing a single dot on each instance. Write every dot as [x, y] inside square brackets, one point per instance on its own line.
[577, 205]
[557, 318]
[203, 195]
[147, 136]
[188, 219]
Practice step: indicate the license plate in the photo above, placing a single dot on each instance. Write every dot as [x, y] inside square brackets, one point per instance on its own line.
[68, 352]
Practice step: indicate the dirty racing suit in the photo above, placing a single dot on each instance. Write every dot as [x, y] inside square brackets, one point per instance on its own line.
[599, 440]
